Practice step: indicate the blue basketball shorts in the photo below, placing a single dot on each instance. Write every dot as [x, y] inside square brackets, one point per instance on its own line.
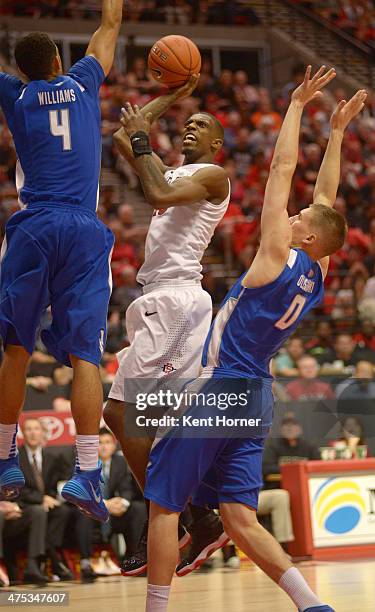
[210, 470]
[56, 256]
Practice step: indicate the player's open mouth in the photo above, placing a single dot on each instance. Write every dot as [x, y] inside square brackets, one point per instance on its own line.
[189, 138]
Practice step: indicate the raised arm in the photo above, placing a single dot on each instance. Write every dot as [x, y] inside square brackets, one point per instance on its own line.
[329, 174]
[276, 230]
[153, 110]
[328, 180]
[103, 42]
[210, 183]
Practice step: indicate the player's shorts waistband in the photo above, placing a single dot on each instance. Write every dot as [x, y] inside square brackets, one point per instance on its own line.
[63, 206]
[170, 285]
[224, 373]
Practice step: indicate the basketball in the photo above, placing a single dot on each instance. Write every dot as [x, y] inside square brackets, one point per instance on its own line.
[173, 59]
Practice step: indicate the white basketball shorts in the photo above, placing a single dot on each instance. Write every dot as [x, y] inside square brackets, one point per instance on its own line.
[167, 328]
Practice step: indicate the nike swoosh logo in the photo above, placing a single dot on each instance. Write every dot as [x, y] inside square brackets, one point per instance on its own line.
[96, 497]
[149, 314]
[135, 139]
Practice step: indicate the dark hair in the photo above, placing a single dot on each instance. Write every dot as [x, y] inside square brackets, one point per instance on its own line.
[34, 55]
[332, 228]
[104, 431]
[360, 425]
[219, 130]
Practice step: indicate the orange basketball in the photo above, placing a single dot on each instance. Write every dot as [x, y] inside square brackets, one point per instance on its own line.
[173, 59]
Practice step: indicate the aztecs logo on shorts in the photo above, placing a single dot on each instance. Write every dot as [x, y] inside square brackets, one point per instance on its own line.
[159, 212]
[168, 368]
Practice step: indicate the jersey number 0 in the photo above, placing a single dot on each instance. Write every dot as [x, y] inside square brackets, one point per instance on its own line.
[292, 313]
[60, 126]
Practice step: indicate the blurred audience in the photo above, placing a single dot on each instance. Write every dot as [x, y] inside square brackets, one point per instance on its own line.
[352, 437]
[289, 447]
[123, 498]
[307, 386]
[42, 471]
[286, 363]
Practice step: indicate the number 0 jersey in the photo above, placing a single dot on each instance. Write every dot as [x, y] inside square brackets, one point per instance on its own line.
[252, 324]
[56, 129]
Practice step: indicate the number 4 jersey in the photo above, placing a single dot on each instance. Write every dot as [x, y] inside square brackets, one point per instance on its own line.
[252, 324]
[57, 133]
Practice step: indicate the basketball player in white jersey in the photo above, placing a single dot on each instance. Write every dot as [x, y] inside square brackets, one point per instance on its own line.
[168, 324]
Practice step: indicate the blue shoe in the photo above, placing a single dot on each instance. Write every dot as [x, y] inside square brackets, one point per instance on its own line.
[319, 609]
[11, 478]
[83, 490]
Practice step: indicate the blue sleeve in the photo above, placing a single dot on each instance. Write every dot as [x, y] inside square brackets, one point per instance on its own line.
[88, 73]
[10, 90]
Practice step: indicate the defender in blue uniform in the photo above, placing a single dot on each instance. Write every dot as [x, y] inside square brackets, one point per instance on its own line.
[56, 252]
[259, 313]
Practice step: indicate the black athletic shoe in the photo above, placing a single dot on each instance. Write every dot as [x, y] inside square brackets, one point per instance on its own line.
[62, 572]
[35, 576]
[208, 535]
[137, 564]
[88, 575]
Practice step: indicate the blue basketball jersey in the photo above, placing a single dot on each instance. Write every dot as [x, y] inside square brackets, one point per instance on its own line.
[252, 324]
[56, 129]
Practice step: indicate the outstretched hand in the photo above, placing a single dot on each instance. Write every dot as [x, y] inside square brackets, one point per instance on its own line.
[310, 88]
[133, 121]
[346, 111]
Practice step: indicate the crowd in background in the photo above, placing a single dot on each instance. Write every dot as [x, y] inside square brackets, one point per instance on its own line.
[236, 12]
[251, 116]
[355, 17]
[331, 359]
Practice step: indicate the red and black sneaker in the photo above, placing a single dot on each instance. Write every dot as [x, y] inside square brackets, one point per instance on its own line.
[137, 564]
[208, 535]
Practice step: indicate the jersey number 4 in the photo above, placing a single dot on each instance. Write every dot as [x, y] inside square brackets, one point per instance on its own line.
[292, 313]
[60, 126]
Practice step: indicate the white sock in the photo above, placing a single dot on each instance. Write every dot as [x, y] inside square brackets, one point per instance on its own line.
[8, 444]
[87, 452]
[157, 598]
[294, 584]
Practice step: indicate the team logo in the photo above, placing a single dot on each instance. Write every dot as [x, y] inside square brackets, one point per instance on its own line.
[168, 368]
[54, 427]
[159, 212]
[338, 505]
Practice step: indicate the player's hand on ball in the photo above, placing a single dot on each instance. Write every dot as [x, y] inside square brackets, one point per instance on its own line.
[133, 121]
[346, 111]
[310, 88]
[187, 89]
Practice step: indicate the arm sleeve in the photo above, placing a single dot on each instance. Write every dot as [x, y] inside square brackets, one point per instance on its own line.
[10, 90]
[88, 73]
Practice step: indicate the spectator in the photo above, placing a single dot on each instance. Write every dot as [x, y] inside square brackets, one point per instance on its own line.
[365, 337]
[123, 499]
[42, 471]
[285, 363]
[351, 436]
[322, 340]
[13, 525]
[307, 386]
[361, 385]
[344, 356]
[290, 447]
[276, 502]
[127, 289]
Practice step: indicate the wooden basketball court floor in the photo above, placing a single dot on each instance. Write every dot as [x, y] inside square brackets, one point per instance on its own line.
[346, 586]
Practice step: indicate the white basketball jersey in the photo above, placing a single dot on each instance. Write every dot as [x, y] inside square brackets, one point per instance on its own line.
[178, 236]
